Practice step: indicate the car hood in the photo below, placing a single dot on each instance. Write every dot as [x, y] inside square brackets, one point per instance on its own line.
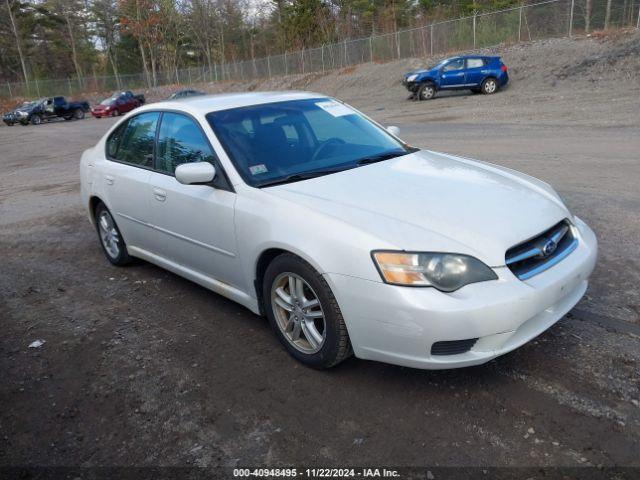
[420, 72]
[429, 201]
[28, 109]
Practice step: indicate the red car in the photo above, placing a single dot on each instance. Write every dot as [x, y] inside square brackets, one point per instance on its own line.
[117, 104]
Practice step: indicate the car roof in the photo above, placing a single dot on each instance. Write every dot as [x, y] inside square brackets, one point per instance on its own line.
[204, 104]
[475, 56]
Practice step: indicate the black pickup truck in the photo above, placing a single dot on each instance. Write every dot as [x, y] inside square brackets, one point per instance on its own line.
[45, 109]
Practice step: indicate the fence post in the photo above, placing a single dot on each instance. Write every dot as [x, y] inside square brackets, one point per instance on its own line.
[474, 29]
[37, 87]
[371, 49]
[9, 87]
[286, 67]
[345, 52]
[571, 17]
[69, 83]
[302, 55]
[520, 24]
[322, 56]
[638, 22]
[431, 40]
[398, 44]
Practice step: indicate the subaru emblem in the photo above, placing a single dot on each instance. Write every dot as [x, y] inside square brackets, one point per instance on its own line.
[549, 247]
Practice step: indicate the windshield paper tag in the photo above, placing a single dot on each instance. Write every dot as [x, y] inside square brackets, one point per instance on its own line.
[258, 169]
[334, 108]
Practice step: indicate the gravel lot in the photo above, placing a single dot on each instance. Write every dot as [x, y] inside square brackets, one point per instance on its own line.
[141, 367]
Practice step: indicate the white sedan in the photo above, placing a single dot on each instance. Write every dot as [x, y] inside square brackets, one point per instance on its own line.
[349, 240]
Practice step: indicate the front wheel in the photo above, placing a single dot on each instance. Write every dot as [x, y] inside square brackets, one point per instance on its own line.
[78, 114]
[426, 91]
[115, 113]
[111, 239]
[36, 119]
[489, 86]
[304, 314]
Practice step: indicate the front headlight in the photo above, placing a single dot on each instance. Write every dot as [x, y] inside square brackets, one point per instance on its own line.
[445, 271]
[411, 78]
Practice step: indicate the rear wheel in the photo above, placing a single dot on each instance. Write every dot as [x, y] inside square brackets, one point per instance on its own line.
[489, 86]
[78, 114]
[304, 314]
[426, 91]
[111, 239]
[115, 113]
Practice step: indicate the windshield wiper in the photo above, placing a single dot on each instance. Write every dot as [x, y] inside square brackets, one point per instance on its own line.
[295, 177]
[381, 157]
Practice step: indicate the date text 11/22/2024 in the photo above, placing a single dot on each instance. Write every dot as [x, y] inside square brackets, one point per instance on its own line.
[316, 472]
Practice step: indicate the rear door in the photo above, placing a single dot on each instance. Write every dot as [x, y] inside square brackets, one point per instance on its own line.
[194, 223]
[475, 71]
[125, 179]
[452, 74]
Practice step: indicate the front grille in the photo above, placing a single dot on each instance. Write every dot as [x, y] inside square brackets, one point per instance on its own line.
[541, 252]
[453, 347]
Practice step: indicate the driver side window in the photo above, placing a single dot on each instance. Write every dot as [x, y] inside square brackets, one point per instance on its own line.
[454, 65]
[180, 141]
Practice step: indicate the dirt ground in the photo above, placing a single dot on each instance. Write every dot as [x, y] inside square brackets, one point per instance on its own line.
[141, 367]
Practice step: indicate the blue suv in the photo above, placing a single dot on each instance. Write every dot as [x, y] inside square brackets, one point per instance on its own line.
[479, 74]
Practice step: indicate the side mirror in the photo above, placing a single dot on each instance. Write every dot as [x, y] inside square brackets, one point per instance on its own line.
[194, 173]
[393, 130]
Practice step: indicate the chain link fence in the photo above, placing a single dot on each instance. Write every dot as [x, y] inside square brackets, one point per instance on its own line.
[547, 19]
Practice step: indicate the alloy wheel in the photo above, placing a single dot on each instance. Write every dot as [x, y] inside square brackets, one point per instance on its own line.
[298, 313]
[109, 235]
[427, 92]
[490, 86]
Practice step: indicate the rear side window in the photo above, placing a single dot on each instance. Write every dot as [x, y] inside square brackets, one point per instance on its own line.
[475, 63]
[180, 141]
[133, 141]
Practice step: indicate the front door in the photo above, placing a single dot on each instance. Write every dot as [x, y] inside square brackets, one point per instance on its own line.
[452, 74]
[195, 223]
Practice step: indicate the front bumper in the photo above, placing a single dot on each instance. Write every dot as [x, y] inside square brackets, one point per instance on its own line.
[399, 325]
[413, 87]
[100, 113]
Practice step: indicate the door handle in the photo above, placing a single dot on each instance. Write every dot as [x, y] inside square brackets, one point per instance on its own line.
[160, 194]
[109, 179]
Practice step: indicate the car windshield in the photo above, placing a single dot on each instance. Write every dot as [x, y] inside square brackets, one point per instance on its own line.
[110, 100]
[289, 141]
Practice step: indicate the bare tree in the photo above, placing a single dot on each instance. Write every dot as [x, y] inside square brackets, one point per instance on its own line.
[18, 40]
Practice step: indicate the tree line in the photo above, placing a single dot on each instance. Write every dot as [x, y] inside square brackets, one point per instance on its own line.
[42, 39]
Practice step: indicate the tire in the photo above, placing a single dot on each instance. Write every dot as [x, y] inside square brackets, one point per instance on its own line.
[115, 113]
[78, 114]
[321, 321]
[110, 237]
[426, 91]
[489, 86]
[36, 119]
